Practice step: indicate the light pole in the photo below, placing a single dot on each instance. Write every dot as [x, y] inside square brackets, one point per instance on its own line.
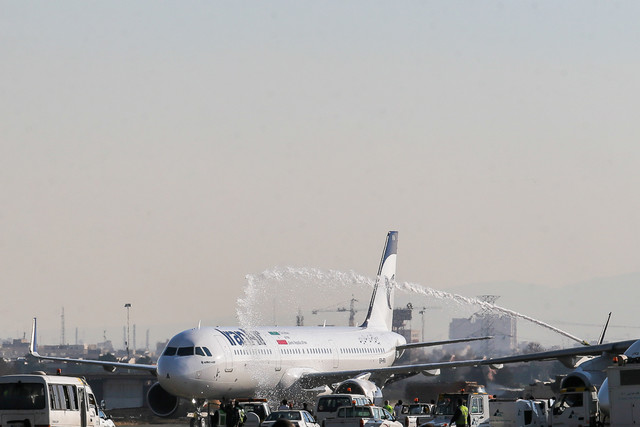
[127, 306]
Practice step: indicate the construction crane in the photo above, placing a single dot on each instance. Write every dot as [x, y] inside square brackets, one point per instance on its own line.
[352, 310]
[422, 312]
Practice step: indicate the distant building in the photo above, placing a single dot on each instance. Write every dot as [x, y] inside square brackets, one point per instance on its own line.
[14, 348]
[160, 345]
[105, 346]
[402, 324]
[501, 327]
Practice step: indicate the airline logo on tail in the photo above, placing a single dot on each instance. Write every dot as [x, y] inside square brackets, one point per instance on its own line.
[389, 286]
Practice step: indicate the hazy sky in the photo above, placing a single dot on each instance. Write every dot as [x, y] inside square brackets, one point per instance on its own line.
[155, 152]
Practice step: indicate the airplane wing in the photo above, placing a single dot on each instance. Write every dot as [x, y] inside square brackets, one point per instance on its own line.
[434, 343]
[566, 353]
[109, 366]
[381, 375]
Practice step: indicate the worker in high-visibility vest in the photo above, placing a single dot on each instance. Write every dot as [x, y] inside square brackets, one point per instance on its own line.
[461, 416]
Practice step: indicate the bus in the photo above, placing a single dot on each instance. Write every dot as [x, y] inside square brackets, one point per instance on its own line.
[40, 400]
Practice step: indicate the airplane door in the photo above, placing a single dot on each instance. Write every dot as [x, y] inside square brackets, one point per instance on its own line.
[278, 358]
[228, 355]
[334, 353]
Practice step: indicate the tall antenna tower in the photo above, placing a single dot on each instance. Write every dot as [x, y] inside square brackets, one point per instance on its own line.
[127, 335]
[488, 317]
[147, 341]
[62, 339]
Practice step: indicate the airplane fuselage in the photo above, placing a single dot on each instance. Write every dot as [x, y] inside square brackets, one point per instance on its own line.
[215, 362]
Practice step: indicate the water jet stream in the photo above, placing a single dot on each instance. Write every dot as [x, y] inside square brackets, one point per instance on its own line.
[263, 286]
[412, 287]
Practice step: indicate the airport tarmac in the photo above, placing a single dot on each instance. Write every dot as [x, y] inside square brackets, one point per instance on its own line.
[155, 425]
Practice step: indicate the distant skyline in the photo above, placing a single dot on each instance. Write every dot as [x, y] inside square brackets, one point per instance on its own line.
[158, 153]
[579, 310]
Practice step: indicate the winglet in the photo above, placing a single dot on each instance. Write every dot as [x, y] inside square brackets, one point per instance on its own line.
[33, 345]
[604, 330]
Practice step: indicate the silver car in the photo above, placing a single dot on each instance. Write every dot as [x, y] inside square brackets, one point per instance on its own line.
[299, 418]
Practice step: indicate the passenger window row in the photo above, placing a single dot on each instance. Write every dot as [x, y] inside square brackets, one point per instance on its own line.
[306, 351]
[362, 350]
[252, 352]
[187, 351]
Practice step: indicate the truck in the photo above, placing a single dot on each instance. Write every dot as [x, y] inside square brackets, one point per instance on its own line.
[579, 406]
[416, 413]
[576, 406]
[624, 393]
[327, 405]
[519, 412]
[476, 401]
[362, 416]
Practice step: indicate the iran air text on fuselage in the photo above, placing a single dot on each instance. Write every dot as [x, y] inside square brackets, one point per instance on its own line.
[242, 337]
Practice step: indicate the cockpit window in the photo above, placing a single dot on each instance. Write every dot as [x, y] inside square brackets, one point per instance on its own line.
[169, 351]
[185, 351]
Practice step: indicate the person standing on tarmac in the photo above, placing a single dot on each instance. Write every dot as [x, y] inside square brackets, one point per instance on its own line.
[235, 415]
[242, 415]
[388, 407]
[397, 410]
[461, 416]
[305, 407]
[219, 418]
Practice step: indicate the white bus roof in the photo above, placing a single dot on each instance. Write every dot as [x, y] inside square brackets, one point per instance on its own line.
[57, 379]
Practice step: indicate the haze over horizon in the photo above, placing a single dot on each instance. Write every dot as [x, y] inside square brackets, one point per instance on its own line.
[157, 153]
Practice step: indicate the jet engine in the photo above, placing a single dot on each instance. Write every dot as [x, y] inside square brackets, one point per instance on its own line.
[361, 386]
[161, 402]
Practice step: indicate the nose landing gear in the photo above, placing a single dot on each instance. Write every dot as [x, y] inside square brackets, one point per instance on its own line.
[199, 419]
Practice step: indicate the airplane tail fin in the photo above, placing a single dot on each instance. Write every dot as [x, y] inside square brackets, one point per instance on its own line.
[380, 312]
[33, 349]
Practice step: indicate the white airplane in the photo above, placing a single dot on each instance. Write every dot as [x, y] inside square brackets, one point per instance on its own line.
[226, 362]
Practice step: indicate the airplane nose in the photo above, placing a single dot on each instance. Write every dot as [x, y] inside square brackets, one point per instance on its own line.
[163, 367]
[173, 376]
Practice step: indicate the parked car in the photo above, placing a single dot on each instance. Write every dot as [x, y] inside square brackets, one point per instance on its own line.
[259, 407]
[362, 416]
[299, 418]
[327, 404]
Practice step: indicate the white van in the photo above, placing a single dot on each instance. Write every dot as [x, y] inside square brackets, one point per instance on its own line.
[41, 400]
[327, 404]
